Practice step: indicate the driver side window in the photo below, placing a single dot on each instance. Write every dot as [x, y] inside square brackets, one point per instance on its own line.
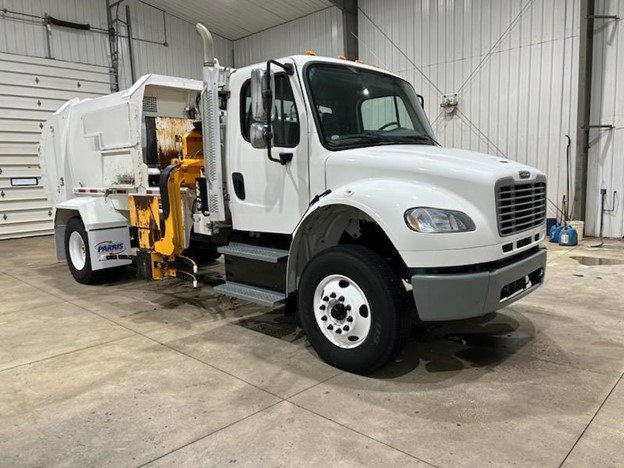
[387, 113]
[285, 122]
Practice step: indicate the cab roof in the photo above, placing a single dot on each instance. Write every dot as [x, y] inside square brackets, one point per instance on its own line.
[301, 60]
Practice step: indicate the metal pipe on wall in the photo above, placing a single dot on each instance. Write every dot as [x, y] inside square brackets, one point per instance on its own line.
[130, 53]
[586, 45]
[112, 43]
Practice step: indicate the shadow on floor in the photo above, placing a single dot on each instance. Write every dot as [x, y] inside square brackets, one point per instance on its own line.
[275, 323]
[439, 349]
[446, 348]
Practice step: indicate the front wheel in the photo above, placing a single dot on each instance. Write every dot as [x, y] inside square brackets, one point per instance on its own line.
[353, 308]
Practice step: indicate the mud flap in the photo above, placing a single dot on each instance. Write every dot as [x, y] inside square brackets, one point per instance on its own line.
[144, 265]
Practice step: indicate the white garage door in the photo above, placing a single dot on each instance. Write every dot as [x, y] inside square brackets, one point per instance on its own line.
[31, 89]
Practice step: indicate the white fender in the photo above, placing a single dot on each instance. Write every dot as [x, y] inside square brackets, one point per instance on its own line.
[385, 202]
[95, 212]
[107, 229]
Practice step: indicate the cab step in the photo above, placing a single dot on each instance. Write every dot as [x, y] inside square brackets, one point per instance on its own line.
[253, 252]
[261, 296]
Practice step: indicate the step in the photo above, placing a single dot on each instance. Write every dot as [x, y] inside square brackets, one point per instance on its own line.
[254, 252]
[261, 296]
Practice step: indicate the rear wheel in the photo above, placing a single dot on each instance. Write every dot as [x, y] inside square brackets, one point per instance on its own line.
[353, 308]
[78, 259]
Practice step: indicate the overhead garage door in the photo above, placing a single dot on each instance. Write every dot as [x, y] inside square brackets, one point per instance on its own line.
[31, 89]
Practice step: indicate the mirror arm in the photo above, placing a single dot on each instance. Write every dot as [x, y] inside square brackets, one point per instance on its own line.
[267, 95]
[287, 67]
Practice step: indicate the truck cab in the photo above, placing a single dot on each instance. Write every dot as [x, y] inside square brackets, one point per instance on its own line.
[319, 180]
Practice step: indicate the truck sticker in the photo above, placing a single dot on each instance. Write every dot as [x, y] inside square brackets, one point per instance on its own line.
[110, 247]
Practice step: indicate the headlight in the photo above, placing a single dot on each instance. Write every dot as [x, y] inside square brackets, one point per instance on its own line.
[436, 220]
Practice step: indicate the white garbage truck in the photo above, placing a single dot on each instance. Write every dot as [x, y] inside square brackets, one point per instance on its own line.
[319, 180]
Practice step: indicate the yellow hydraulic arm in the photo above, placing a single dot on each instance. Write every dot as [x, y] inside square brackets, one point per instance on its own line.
[164, 236]
[175, 177]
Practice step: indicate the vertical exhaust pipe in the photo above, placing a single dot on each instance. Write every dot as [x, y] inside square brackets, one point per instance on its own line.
[207, 43]
[211, 132]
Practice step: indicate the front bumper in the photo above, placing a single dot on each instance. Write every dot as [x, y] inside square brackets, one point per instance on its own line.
[456, 296]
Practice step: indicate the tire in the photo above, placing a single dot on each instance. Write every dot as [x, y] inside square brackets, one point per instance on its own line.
[78, 259]
[353, 286]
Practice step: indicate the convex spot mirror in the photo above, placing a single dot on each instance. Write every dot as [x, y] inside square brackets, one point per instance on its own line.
[262, 94]
[256, 135]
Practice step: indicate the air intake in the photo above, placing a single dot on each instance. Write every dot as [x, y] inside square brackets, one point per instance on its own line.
[150, 104]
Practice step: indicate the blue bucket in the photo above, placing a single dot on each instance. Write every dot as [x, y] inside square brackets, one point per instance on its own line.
[550, 222]
[555, 231]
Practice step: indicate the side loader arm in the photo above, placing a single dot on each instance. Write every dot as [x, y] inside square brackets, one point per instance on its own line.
[162, 235]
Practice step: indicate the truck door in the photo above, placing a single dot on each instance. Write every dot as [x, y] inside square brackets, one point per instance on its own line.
[266, 196]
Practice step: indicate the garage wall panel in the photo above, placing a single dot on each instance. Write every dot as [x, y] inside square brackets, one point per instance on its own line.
[24, 35]
[31, 89]
[513, 63]
[183, 54]
[606, 153]
[321, 32]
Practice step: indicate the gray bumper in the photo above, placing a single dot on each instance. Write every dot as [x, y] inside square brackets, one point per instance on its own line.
[466, 295]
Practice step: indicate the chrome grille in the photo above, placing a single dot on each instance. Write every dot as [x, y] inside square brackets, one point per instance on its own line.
[520, 206]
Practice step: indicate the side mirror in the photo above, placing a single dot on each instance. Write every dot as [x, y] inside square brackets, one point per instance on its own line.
[262, 94]
[256, 135]
[262, 105]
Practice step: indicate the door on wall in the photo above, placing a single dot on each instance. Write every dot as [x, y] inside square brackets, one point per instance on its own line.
[31, 89]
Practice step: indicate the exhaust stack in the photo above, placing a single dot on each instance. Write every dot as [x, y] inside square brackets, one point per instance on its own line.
[208, 44]
[211, 131]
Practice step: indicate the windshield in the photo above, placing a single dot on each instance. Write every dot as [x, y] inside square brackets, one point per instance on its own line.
[358, 107]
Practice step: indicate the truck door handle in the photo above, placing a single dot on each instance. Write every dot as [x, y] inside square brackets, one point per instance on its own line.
[239, 185]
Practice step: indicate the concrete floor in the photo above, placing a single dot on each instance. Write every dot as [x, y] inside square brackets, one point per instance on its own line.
[134, 373]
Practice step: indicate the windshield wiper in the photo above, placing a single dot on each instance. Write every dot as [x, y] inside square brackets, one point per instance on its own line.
[369, 136]
[423, 138]
[361, 140]
[374, 137]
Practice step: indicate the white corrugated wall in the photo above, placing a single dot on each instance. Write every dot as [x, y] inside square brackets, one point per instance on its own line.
[183, 54]
[606, 153]
[513, 62]
[320, 32]
[25, 35]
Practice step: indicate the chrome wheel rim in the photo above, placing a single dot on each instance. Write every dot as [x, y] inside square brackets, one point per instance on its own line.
[77, 250]
[342, 311]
